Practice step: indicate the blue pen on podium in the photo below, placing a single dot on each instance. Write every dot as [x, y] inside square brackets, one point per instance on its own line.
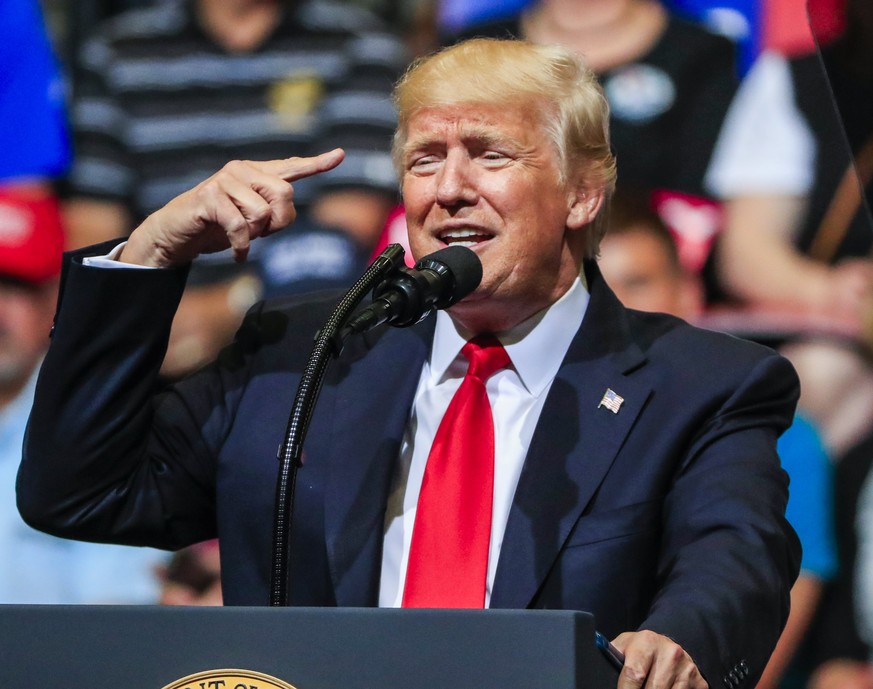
[613, 655]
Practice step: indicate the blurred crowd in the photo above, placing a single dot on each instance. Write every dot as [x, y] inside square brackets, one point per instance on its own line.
[744, 143]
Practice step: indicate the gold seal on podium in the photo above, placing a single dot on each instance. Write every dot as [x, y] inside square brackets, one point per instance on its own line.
[229, 679]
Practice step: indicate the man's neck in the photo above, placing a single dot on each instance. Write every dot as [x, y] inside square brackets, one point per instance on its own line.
[239, 26]
[489, 315]
[501, 310]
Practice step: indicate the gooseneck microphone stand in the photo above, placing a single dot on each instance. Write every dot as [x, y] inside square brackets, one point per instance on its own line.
[328, 343]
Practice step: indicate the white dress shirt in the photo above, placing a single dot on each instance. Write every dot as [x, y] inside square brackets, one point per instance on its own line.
[517, 394]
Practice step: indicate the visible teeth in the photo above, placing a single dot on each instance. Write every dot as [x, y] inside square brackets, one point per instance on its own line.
[457, 234]
[464, 243]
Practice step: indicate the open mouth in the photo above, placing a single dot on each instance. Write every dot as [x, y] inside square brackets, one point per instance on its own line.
[468, 237]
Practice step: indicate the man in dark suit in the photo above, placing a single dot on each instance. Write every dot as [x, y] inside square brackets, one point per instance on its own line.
[633, 459]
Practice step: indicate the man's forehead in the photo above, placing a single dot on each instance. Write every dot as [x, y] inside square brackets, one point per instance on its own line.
[480, 122]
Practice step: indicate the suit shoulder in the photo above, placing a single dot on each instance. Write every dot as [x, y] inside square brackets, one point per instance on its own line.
[720, 372]
[664, 337]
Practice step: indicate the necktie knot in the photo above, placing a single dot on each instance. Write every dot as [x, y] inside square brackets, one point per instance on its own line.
[486, 356]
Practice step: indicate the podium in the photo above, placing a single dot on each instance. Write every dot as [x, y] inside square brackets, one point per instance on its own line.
[151, 647]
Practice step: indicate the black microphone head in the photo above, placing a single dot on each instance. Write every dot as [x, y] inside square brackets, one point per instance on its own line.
[460, 268]
[409, 295]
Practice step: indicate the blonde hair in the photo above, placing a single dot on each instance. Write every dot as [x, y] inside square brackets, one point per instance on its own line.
[514, 72]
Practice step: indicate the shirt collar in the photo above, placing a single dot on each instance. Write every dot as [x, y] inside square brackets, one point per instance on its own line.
[551, 330]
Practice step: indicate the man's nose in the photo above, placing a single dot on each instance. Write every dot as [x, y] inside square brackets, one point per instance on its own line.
[455, 184]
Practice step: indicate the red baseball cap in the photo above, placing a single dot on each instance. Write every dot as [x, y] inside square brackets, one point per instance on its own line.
[31, 233]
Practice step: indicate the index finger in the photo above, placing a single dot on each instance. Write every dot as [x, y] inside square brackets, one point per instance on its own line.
[292, 169]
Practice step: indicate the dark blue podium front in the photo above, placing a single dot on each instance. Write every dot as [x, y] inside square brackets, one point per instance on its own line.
[124, 647]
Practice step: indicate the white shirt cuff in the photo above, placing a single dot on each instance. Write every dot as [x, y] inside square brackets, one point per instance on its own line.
[110, 260]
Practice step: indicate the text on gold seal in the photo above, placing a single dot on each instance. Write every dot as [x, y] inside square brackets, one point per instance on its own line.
[229, 679]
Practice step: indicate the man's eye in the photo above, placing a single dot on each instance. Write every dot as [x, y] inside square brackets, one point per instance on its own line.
[494, 156]
[423, 162]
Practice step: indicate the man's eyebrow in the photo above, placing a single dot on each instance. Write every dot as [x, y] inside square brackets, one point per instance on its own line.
[483, 136]
[421, 144]
[487, 137]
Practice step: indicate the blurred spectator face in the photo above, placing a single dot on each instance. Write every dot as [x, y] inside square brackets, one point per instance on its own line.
[26, 313]
[31, 241]
[211, 310]
[644, 276]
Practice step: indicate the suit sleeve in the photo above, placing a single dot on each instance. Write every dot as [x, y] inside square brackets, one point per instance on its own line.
[106, 458]
[728, 556]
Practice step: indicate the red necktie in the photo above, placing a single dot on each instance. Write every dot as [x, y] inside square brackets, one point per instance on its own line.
[448, 556]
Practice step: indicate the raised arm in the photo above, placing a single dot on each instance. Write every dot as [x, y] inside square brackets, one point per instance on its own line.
[108, 457]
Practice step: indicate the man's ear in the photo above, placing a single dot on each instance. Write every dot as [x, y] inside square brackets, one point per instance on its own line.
[584, 204]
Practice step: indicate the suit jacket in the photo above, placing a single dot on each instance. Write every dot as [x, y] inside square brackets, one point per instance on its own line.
[667, 515]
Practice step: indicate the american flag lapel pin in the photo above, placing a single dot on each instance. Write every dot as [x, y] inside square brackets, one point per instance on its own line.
[611, 401]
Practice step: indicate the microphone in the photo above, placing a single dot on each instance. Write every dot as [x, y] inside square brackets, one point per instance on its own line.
[409, 295]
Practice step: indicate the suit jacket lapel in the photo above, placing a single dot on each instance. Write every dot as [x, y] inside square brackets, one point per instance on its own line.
[375, 390]
[573, 446]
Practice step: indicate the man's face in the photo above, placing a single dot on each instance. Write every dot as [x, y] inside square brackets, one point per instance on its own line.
[487, 177]
[25, 320]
